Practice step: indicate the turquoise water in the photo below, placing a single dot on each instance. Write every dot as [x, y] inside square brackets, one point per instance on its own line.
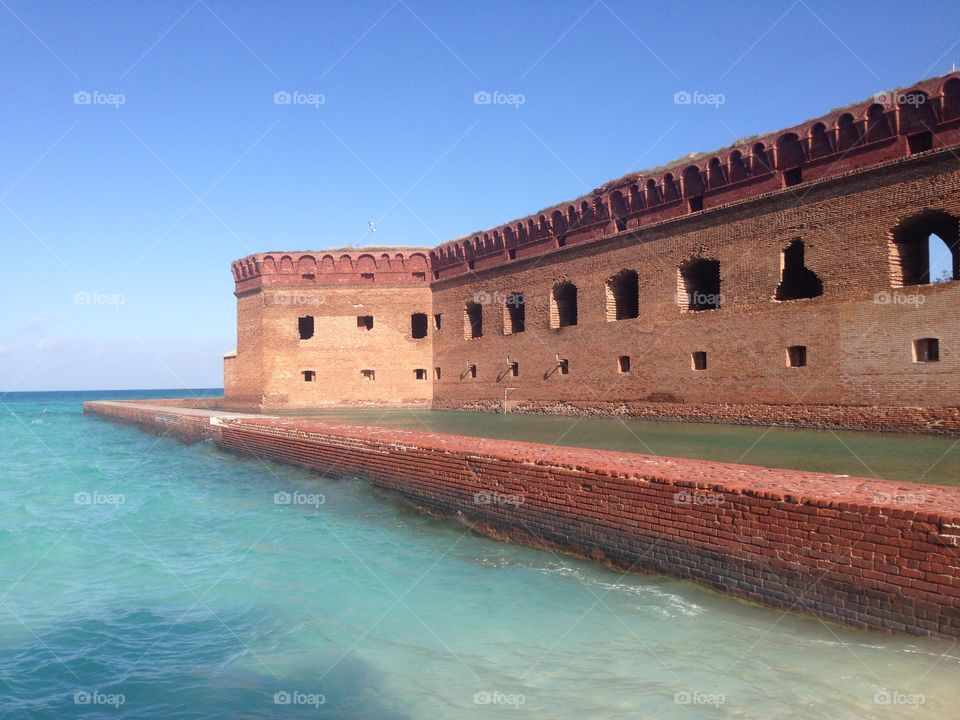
[892, 456]
[137, 568]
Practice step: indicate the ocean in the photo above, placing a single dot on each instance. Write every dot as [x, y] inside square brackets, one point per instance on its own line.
[142, 577]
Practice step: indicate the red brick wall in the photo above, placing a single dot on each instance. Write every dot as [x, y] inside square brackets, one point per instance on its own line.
[274, 291]
[868, 553]
[859, 348]
[861, 179]
[731, 175]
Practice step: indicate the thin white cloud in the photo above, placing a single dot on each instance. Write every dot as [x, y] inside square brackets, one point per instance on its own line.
[37, 321]
[51, 344]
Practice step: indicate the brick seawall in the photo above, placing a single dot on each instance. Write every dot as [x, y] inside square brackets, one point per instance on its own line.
[868, 553]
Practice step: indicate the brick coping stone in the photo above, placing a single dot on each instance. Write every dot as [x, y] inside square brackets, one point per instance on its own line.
[930, 503]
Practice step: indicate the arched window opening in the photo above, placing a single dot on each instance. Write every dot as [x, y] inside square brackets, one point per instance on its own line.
[670, 192]
[878, 127]
[692, 182]
[820, 144]
[693, 188]
[916, 119]
[760, 161]
[797, 281]
[848, 134]
[473, 321]
[653, 193]
[738, 169]
[790, 159]
[618, 207]
[699, 285]
[951, 99]
[623, 296]
[924, 249]
[559, 225]
[563, 305]
[717, 176]
[600, 208]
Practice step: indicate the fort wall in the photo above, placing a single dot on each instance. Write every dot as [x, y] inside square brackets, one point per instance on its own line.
[323, 329]
[786, 279]
[858, 336]
[867, 553]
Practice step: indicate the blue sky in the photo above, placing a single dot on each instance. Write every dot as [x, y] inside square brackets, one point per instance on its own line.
[138, 200]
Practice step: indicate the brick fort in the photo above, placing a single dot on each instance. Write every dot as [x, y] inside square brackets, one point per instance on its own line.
[787, 279]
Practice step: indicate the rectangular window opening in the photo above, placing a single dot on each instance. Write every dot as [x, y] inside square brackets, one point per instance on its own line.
[564, 366]
[926, 350]
[418, 326]
[309, 375]
[515, 314]
[368, 374]
[366, 276]
[623, 364]
[793, 176]
[365, 322]
[514, 369]
[473, 321]
[512, 254]
[420, 374]
[436, 321]
[472, 371]
[419, 276]
[436, 373]
[305, 326]
[698, 360]
[695, 204]
[797, 356]
[309, 276]
[920, 142]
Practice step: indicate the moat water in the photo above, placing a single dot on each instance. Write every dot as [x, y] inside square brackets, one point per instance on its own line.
[142, 577]
[893, 456]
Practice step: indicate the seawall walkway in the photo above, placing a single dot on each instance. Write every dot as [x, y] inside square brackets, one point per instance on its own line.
[869, 553]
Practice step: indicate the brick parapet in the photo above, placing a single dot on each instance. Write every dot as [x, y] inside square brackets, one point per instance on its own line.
[865, 552]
